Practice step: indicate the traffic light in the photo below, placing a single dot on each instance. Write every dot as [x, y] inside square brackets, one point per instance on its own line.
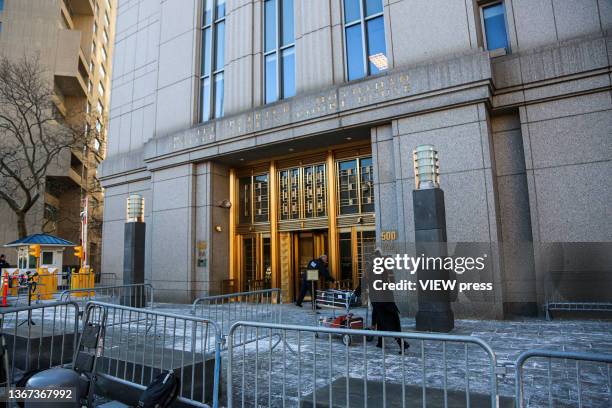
[35, 251]
[78, 252]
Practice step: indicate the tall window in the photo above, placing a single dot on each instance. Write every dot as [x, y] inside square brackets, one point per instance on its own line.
[494, 22]
[355, 186]
[254, 205]
[279, 50]
[364, 32]
[212, 62]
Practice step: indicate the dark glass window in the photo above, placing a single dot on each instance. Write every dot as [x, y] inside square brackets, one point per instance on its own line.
[260, 198]
[244, 184]
[349, 193]
[47, 258]
[364, 30]
[366, 177]
[254, 199]
[302, 192]
[356, 186]
[212, 61]
[279, 50]
[495, 26]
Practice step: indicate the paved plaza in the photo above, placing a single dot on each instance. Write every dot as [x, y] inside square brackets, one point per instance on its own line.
[364, 363]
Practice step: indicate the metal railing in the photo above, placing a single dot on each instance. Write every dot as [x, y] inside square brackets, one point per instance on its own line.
[39, 336]
[309, 366]
[135, 295]
[140, 343]
[564, 374]
[256, 306]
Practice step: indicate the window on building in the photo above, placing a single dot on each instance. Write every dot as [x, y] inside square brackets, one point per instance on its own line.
[494, 23]
[254, 198]
[106, 19]
[108, 4]
[96, 145]
[356, 186]
[100, 108]
[95, 28]
[212, 62]
[89, 86]
[98, 126]
[364, 31]
[105, 36]
[1, 5]
[47, 258]
[100, 89]
[103, 54]
[302, 192]
[279, 50]
[102, 72]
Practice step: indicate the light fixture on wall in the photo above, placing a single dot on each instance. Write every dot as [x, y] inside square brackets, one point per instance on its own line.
[218, 228]
[426, 167]
[225, 204]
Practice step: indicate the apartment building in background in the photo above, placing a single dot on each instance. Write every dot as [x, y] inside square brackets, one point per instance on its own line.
[262, 133]
[73, 40]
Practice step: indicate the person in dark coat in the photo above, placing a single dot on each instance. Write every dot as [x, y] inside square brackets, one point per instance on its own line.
[3, 263]
[385, 314]
[319, 264]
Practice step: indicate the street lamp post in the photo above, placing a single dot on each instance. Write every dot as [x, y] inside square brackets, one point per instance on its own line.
[134, 252]
[434, 310]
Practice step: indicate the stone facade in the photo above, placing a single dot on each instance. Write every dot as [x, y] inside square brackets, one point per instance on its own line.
[524, 139]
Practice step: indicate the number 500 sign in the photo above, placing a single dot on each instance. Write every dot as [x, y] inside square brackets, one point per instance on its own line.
[388, 235]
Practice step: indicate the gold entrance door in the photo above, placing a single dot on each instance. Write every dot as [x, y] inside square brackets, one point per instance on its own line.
[255, 262]
[306, 246]
[355, 244]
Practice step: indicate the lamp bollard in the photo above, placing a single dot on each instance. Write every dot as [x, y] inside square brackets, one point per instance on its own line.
[134, 250]
[434, 309]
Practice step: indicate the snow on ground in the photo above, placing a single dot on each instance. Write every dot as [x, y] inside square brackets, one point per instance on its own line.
[293, 363]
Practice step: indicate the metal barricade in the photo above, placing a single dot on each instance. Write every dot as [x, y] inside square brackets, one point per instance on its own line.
[309, 366]
[566, 377]
[39, 336]
[256, 306]
[135, 295]
[139, 344]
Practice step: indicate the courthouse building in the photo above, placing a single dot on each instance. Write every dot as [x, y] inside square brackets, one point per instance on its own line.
[262, 133]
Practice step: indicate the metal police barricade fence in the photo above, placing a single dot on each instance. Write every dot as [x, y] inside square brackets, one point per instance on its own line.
[311, 367]
[255, 306]
[563, 378]
[38, 337]
[134, 295]
[139, 344]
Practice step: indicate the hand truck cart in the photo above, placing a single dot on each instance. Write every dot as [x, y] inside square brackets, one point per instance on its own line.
[340, 299]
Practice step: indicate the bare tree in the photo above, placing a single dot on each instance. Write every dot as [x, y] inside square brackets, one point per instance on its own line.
[32, 134]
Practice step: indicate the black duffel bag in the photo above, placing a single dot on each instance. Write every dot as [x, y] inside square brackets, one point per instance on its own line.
[161, 392]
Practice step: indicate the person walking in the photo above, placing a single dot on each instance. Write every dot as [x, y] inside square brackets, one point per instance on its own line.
[385, 314]
[320, 264]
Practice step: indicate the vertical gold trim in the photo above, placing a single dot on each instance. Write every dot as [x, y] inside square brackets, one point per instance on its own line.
[273, 214]
[232, 224]
[355, 253]
[334, 261]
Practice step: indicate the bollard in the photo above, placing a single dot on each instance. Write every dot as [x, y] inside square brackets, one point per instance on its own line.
[45, 284]
[5, 287]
